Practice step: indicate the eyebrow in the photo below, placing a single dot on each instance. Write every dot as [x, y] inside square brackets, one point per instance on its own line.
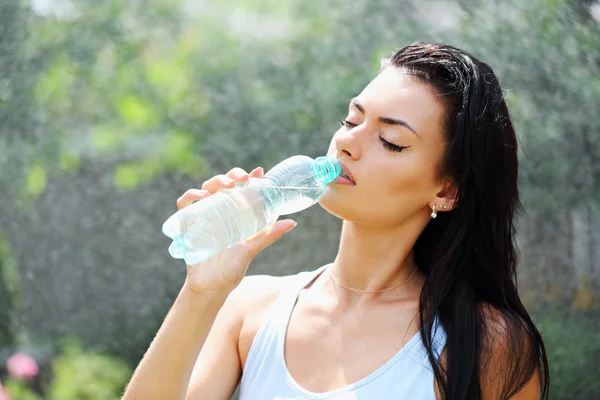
[385, 120]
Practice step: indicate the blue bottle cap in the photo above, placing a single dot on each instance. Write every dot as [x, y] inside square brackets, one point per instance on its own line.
[326, 169]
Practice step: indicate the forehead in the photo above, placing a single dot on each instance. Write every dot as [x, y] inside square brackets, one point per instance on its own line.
[395, 94]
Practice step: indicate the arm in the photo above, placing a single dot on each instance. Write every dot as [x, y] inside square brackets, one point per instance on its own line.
[165, 370]
[219, 366]
[205, 363]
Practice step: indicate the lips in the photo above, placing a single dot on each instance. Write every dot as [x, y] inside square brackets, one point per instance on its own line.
[346, 173]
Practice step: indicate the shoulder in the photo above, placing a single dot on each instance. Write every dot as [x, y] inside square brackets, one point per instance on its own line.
[253, 295]
[509, 356]
[259, 291]
[262, 290]
[502, 330]
[253, 299]
[496, 325]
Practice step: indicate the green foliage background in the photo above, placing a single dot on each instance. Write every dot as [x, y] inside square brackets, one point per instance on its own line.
[110, 110]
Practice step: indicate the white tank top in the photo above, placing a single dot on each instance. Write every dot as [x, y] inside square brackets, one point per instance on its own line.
[407, 375]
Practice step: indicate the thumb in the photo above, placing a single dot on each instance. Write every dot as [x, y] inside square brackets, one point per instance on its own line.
[268, 236]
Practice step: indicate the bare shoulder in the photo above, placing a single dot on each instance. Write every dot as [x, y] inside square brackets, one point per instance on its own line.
[509, 360]
[502, 331]
[254, 298]
[510, 357]
[259, 291]
[220, 362]
[496, 326]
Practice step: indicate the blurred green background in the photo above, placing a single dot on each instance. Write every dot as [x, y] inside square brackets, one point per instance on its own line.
[111, 109]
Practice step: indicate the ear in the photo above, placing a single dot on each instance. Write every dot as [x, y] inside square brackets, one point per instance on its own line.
[445, 199]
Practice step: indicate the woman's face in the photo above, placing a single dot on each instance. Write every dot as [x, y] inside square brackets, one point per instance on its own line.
[392, 143]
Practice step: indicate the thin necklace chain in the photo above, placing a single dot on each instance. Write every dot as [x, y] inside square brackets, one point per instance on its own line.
[371, 291]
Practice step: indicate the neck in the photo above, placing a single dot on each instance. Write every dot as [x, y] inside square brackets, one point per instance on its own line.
[374, 258]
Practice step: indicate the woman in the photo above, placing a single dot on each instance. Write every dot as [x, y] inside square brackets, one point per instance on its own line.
[420, 301]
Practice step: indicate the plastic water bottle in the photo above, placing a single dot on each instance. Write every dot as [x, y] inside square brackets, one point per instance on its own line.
[219, 221]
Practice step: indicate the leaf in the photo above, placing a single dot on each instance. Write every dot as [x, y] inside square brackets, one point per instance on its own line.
[137, 112]
[83, 374]
[69, 161]
[19, 390]
[179, 154]
[126, 176]
[36, 180]
[171, 78]
[106, 138]
[54, 87]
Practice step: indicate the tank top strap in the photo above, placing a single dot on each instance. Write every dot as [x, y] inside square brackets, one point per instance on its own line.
[438, 335]
[408, 374]
[286, 301]
[263, 353]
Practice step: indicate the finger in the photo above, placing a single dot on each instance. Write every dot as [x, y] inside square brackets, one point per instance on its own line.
[257, 172]
[217, 183]
[238, 175]
[268, 236]
[191, 196]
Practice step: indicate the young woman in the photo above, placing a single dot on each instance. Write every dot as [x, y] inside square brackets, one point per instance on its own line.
[421, 299]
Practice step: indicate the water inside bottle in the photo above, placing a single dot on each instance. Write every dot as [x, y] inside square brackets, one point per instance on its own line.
[297, 198]
[198, 237]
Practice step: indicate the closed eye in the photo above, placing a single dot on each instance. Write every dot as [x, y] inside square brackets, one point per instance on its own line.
[347, 124]
[392, 147]
[388, 146]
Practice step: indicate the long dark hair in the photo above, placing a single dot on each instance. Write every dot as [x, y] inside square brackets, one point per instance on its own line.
[469, 254]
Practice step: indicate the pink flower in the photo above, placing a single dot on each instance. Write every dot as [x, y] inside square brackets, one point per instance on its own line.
[3, 393]
[21, 366]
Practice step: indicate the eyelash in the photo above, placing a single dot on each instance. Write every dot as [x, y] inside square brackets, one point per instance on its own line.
[389, 146]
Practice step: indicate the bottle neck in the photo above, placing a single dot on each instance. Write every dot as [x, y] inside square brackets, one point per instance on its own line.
[326, 169]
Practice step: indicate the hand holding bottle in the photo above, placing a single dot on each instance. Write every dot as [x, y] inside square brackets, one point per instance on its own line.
[219, 221]
[225, 270]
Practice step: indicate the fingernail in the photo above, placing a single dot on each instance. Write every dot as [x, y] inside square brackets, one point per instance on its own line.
[292, 227]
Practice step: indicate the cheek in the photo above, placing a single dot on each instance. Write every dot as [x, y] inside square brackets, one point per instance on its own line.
[391, 189]
[408, 186]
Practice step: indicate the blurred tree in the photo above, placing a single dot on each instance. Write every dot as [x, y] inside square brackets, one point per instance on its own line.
[548, 55]
[16, 143]
[7, 334]
[112, 109]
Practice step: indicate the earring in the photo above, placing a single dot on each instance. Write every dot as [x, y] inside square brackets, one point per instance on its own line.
[434, 213]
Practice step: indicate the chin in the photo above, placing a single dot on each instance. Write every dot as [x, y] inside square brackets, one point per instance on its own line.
[336, 203]
[350, 207]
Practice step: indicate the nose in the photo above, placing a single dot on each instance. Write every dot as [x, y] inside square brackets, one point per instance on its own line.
[347, 142]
